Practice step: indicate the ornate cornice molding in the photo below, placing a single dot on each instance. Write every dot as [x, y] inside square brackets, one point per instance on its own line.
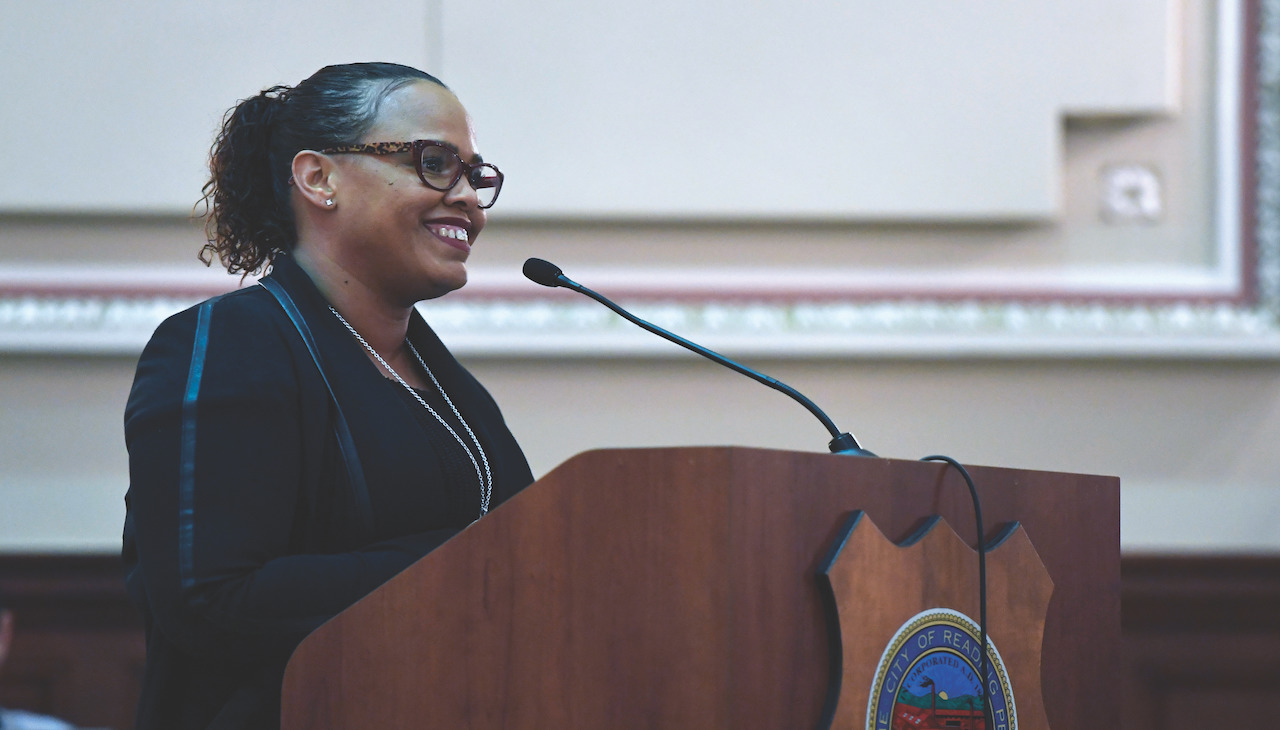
[121, 325]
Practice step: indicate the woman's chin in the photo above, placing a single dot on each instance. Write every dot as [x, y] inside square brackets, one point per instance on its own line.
[439, 286]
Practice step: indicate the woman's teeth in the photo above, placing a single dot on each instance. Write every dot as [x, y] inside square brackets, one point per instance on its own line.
[459, 234]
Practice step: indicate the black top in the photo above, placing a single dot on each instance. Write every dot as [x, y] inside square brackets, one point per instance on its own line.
[246, 525]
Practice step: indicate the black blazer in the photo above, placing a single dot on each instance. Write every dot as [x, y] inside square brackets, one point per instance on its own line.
[247, 525]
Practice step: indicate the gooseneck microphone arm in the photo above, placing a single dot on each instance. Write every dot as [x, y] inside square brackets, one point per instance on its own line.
[550, 275]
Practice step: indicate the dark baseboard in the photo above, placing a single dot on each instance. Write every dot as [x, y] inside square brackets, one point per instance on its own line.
[1202, 641]
[78, 650]
[1225, 593]
[1201, 638]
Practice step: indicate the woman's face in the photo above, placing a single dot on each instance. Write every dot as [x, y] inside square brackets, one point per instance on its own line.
[400, 237]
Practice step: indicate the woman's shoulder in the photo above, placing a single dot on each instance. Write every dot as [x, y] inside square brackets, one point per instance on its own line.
[249, 312]
[246, 318]
[242, 335]
[251, 303]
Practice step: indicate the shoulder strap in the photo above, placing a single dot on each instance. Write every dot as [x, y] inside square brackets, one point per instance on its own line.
[187, 455]
[346, 445]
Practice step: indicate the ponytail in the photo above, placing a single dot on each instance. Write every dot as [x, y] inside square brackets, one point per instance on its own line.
[248, 219]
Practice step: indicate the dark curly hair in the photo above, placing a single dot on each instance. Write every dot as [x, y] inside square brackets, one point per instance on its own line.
[248, 219]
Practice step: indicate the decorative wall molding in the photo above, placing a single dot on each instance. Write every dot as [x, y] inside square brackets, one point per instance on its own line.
[121, 325]
[1228, 309]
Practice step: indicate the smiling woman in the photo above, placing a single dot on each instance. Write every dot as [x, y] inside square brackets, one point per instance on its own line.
[294, 444]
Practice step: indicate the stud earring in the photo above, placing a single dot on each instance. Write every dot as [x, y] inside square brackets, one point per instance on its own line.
[328, 203]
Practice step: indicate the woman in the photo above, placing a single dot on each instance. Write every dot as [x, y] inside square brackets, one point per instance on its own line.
[294, 444]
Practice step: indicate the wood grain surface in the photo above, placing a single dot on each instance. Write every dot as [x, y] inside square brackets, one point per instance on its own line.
[676, 588]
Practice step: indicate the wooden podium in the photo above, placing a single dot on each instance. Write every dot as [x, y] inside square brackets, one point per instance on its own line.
[681, 588]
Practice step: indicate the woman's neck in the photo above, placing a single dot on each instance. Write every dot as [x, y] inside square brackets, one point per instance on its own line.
[383, 324]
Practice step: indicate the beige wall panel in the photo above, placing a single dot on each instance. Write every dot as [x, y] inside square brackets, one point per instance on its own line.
[63, 467]
[830, 112]
[704, 108]
[1193, 443]
[111, 105]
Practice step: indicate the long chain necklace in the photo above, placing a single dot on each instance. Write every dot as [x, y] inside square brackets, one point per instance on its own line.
[485, 478]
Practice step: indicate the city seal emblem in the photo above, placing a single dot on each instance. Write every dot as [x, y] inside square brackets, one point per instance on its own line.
[928, 678]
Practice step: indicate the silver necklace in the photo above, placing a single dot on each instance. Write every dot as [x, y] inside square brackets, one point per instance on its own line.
[486, 477]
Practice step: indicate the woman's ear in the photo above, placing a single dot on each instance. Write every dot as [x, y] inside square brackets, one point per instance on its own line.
[314, 175]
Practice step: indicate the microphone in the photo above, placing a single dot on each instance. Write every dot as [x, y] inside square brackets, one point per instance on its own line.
[549, 275]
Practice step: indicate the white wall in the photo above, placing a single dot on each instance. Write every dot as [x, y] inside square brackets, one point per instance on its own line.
[838, 107]
[111, 105]
[1194, 444]
[828, 109]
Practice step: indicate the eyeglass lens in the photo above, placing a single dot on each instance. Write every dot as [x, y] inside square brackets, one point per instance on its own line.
[442, 168]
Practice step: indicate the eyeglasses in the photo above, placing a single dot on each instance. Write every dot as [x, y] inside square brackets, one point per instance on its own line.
[439, 167]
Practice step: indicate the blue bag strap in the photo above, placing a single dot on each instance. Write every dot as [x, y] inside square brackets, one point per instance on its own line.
[187, 455]
[346, 445]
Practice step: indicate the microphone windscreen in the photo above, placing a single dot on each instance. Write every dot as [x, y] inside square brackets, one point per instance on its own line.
[542, 272]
